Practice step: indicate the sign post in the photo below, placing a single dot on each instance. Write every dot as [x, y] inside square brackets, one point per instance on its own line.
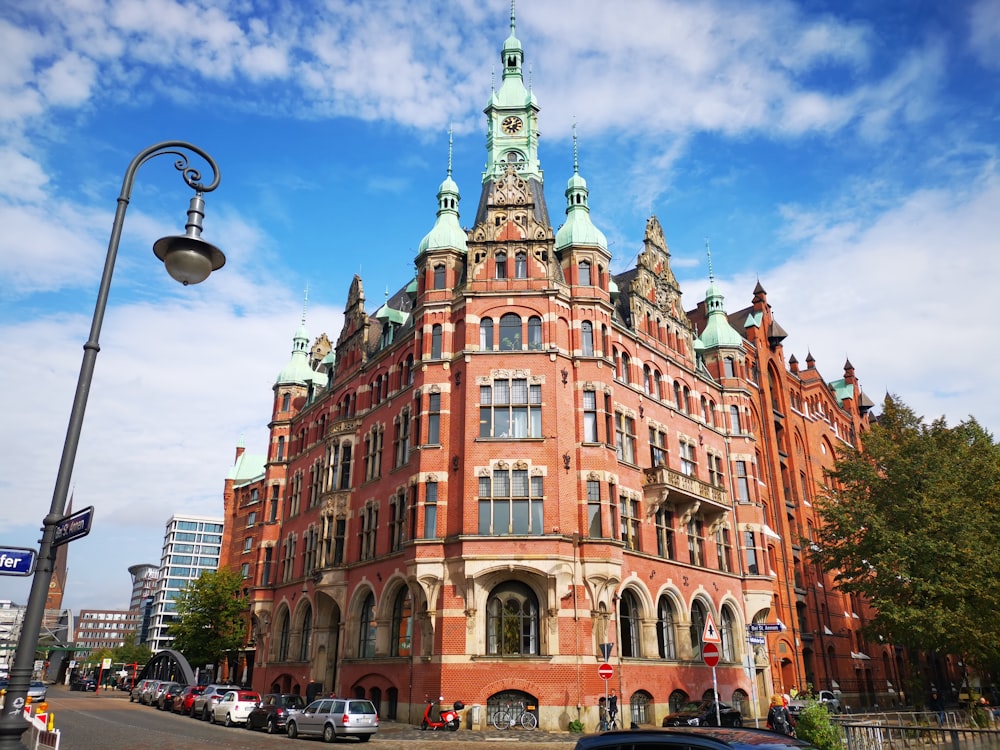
[710, 655]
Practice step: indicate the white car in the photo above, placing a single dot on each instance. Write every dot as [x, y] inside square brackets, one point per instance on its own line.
[234, 707]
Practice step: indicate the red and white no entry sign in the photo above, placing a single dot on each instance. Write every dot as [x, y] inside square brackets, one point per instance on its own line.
[606, 671]
[710, 654]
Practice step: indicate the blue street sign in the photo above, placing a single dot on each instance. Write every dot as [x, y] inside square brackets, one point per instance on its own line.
[765, 627]
[756, 640]
[74, 526]
[16, 561]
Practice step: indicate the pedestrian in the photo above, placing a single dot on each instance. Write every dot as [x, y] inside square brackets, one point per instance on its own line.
[937, 706]
[778, 717]
[602, 711]
[613, 708]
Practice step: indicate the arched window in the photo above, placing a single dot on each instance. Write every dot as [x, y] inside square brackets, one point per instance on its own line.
[535, 333]
[657, 385]
[679, 397]
[734, 420]
[305, 644]
[501, 259]
[486, 335]
[439, 276]
[585, 273]
[604, 341]
[512, 621]
[647, 380]
[697, 628]
[729, 367]
[628, 611]
[677, 700]
[521, 266]
[587, 338]
[402, 624]
[727, 631]
[510, 333]
[665, 632]
[436, 331]
[639, 706]
[284, 636]
[626, 365]
[286, 401]
[408, 370]
[366, 628]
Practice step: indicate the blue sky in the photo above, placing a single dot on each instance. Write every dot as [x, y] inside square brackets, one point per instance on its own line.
[844, 153]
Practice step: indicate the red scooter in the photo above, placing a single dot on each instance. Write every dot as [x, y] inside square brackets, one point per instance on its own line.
[446, 719]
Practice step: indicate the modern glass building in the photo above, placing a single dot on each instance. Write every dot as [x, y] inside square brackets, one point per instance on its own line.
[191, 545]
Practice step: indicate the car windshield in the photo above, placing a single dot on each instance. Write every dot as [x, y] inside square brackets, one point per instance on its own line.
[292, 701]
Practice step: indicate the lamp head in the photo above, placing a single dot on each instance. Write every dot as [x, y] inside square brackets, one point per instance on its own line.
[188, 257]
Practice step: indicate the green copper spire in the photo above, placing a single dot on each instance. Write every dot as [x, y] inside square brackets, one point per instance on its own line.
[578, 230]
[717, 331]
[447, 233]
[512, 117]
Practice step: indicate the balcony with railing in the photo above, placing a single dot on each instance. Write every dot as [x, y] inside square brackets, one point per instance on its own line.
[664, 485]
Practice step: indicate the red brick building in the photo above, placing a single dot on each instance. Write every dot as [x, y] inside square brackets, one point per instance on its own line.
[520, 457]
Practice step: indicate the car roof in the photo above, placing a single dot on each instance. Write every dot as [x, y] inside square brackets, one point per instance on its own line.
[701, 738]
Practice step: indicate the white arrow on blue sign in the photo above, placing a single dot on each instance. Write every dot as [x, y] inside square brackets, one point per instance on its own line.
[16, 561]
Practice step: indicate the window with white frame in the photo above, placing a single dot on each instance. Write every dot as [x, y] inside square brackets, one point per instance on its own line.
[628, 513]
[689, 458]
[742, 482]
[521, 265]
[434, 419]
[486, 334]
[594, 526]
[587, 339]
[625, 437]
[589, 416]
[657, 447]
[510, 408]
[664, 520]
[696, 541]
[724, 549]
[369, 529]
[510, 502]
[512, 621]
[715, 475]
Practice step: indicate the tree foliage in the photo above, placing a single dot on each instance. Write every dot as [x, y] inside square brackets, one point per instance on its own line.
[911, 523]
[211, 617]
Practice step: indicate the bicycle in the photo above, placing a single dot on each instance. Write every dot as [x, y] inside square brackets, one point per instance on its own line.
[513, 714]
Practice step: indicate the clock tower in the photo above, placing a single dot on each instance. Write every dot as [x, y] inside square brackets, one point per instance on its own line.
[512, 118]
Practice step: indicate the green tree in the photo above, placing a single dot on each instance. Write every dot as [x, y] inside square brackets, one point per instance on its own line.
[131, 653]
[211, 615]
[911, 523]
[814, 726]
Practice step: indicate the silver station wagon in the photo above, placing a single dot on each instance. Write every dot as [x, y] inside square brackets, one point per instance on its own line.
[331, 718]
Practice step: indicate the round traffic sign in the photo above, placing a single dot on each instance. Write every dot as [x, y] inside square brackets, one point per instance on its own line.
[606, 671]
[710, 654]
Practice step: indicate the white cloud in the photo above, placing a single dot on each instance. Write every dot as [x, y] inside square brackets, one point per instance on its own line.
[984, 32]
[908, 297]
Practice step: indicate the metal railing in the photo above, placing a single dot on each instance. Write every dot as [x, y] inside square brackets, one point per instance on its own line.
[948, 736]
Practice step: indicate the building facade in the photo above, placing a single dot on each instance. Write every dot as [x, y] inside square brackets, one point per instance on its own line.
[522, 462]
[98, 629]
[191, 545]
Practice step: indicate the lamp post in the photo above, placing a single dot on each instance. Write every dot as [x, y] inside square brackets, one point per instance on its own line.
[189, 259]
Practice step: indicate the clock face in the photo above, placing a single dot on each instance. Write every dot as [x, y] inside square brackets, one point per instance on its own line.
[511, 125]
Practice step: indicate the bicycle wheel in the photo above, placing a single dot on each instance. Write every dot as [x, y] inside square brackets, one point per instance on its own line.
[529, 720]
[501, 720]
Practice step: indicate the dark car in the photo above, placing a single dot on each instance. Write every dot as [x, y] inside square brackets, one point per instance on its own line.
[86, 684]
[182, 702]
[703, 715]
[201, 707]
[165, 701]
[274, 710]
[690, 738]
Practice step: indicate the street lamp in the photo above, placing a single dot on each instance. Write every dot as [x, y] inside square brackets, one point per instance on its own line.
[189, 259]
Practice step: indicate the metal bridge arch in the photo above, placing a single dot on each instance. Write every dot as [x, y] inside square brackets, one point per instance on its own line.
[168, 665]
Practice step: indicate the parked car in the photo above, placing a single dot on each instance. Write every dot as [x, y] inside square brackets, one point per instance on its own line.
[37, 691]
[703, 715]
[157, 693]
[690, 738]
[331, 718]
[201, 707]
[85, 684]
[146, 696]
[234, 707]
[166, 700]
[274, 710]
[182, 703]
[823, 697]
[138, 690]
